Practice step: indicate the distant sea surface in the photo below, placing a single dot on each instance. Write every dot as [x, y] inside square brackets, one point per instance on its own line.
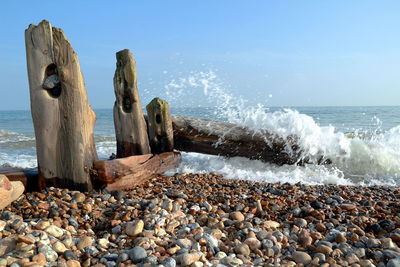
[363, 142]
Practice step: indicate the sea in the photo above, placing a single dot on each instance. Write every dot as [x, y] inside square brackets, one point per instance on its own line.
[363, 143]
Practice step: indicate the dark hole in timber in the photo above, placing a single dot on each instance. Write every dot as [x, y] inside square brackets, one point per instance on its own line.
[158, 118]
[51, 81]
[127, 104]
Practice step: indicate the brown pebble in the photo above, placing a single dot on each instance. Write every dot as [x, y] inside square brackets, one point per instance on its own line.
[40, 259]
[354, 237]
[348, 206]
[340, 238]
[73, 263]
[43, 205]
[324, 249]
[242, 249]
[320, 227]
[236, 216]
[25, 239]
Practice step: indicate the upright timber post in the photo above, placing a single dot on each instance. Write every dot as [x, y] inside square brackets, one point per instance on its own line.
[160, 126]
[130, 125]
[62, 118]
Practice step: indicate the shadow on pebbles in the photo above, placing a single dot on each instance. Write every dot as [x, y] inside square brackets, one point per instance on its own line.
[204, 220]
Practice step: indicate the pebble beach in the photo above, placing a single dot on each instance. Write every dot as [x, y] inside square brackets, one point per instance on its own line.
[204, 220]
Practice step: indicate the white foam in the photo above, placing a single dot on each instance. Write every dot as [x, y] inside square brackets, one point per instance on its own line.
[9, 136]
[371, 160]
[18, 160]
[105, 148]
[255, 170]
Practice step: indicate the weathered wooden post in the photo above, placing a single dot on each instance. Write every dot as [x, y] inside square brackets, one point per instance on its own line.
[160, 126]
[62, 117]
[130, 126]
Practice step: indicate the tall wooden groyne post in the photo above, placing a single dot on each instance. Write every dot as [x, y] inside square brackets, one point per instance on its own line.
[161, 133]
[62, 117]
[130, 125]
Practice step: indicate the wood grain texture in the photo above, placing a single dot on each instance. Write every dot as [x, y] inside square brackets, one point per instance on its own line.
[62, 117]
[130, 126]
[226, 139]
[160, 126]
[129, 172]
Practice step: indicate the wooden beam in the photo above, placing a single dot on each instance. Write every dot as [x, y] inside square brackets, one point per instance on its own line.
[129, 172]
[227, 139]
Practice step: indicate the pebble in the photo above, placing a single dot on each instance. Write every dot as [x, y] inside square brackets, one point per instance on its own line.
[59, 247]
[118, 194]
[91, 250]
[137, 254]
[70, 255]
[271, 224]
[301, 257]
[340, 238]
[253, 243]
[134, 228]
[169, 262]
[103, 243]
[231, 261]
[324, 249]
[184, 243]
[203, 220]
[73, 263]
[300, 222]
[39, 259]
[348, 206]
[122, 257]
[186, 259]
[237, 216]
[79, 197]
[54, 231]
[393, 263]
[48, 252]
[242, 249]
[85, 242]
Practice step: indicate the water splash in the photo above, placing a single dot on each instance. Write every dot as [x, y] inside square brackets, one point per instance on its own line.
[368, 158]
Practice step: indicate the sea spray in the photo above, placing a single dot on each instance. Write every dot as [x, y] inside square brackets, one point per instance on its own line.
[373, 159]
[365, 151]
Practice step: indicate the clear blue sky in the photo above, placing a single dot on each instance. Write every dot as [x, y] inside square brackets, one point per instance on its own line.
[303, 53]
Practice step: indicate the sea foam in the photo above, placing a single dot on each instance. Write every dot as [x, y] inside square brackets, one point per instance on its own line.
[366, 160]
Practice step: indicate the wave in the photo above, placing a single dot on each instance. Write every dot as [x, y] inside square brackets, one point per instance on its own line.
[372, 158]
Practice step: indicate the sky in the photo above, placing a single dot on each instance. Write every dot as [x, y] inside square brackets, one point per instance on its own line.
[276, 53]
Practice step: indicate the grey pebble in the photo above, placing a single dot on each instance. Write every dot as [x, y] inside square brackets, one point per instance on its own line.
[169, 262]
[137, 254]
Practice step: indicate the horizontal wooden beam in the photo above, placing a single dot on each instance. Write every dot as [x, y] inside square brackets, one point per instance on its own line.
[125, 173]
[227, 139]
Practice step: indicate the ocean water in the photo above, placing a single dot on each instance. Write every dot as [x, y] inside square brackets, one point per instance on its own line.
[363, 143]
